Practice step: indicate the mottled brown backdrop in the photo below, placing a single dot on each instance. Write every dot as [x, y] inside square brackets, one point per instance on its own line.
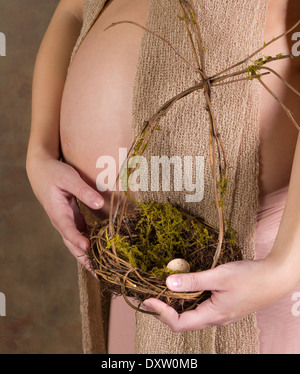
[37, 273]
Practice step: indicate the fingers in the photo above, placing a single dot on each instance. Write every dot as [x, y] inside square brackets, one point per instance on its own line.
[70, 232]
[67, 219]
[203, 316]
[62, 218]
[206, 314]
[165, 313]
[73, 183]
[65, 214]
[78, 216]
[205, 280]
[80, 255]
[77, 243]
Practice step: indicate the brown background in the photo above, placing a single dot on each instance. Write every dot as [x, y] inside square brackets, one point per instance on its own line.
[37, 273]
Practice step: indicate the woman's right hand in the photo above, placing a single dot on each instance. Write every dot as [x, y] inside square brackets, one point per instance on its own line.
[56, 185]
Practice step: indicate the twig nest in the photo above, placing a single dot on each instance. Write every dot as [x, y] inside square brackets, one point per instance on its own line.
[179, 264]
[130, 254]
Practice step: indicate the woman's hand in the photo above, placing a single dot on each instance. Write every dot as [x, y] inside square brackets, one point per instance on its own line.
[238, 288]
[56, 185]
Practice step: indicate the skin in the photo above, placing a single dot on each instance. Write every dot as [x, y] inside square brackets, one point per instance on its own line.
[237, 288]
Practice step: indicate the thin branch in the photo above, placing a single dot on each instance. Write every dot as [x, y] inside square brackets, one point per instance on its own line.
[287, 111]
[235, 80]
[258, 50]
[189, 33]
[158, 36]
[282, 79]
[214, 140]
[196, 28]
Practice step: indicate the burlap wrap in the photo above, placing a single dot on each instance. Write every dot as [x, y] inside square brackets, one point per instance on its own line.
[231, 30]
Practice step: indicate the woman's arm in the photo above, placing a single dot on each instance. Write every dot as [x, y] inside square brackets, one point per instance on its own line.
[241, 287]
[286, 248]
[54, 183]
[49, 77]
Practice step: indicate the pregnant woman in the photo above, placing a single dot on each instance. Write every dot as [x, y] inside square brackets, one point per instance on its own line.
[85, 112]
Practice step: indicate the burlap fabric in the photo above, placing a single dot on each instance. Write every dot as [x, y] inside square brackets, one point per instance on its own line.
[231, 30]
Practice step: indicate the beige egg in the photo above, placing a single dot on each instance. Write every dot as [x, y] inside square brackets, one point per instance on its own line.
[178, 264]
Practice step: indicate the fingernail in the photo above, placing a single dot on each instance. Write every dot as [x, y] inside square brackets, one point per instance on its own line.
[97, 201]
[84, 247]
[147, 306]
[174, 281]
[95, 275]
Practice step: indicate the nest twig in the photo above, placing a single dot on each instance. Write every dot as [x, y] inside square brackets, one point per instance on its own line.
[119, 275]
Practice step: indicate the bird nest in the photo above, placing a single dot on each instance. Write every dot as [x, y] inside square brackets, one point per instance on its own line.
[133, 261]
[130, 251]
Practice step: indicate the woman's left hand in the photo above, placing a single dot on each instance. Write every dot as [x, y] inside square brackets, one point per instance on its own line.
[238, 288]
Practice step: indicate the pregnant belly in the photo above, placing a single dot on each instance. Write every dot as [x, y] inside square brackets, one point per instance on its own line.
[96, 107]
[96, 110]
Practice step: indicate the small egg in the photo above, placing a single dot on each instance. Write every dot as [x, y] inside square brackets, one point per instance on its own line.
[179, 264]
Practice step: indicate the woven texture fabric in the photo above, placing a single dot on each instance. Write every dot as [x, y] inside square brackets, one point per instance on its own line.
[94, 304]
[231, 30]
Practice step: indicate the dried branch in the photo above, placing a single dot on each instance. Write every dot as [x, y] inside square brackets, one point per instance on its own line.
[215, 142]
[287, 111]
[257, 51]
[190, 35]
[158, 36]
[282, 79]
[196, 30]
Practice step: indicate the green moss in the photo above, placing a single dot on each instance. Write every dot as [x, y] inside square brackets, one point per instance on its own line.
[161, 233]
[231, 234]
[182, 18]
[191, 17]
[137, 147]
[222, 189]
[253, 70]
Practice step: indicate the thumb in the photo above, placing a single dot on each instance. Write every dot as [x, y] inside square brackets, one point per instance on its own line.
[207, 280]
[85, 193]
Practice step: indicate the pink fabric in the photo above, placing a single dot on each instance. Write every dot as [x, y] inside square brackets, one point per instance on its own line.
[279, 323]
[121, 327]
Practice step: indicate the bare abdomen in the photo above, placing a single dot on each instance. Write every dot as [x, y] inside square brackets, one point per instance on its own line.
[96, 108]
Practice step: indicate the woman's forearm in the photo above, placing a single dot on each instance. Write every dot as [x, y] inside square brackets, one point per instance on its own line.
[286, 248]
[56, 184]
[49, 78]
